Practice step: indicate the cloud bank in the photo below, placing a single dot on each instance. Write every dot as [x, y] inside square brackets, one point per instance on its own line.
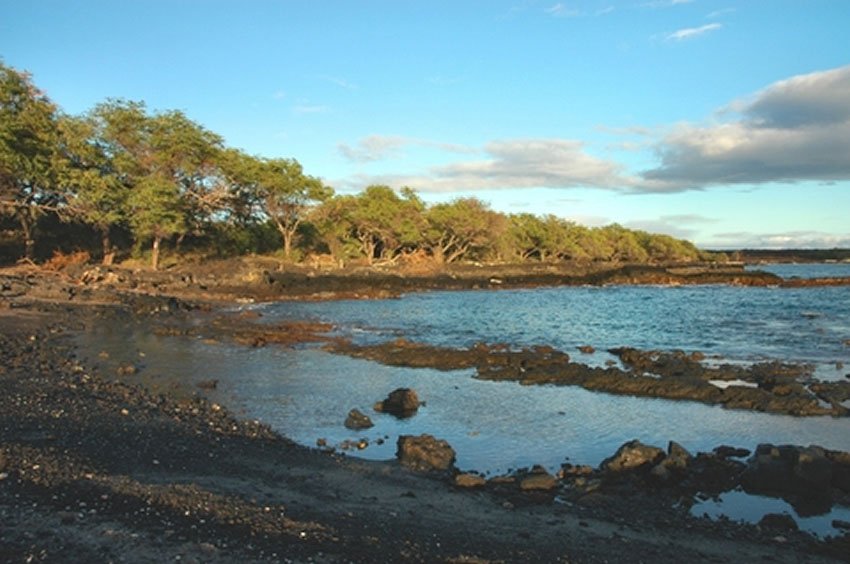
[513, 163]
[380, 147]
[794, 130]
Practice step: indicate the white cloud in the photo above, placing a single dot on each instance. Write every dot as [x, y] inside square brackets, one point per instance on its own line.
[794, 130]
[784, 240]
[665, 3]
[560, 10]
[380, 147]
[516, 163]
[691, 32]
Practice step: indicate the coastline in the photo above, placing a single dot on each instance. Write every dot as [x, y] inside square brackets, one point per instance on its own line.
[181, 476]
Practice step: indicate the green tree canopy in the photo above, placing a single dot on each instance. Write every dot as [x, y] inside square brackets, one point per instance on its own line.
[459, 227]
[29, 156]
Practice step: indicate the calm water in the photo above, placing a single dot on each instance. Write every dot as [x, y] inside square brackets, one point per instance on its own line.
[498, 426]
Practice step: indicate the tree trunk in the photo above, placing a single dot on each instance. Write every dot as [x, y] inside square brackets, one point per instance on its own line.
[108, 251]
[155, 253]
[29, 240]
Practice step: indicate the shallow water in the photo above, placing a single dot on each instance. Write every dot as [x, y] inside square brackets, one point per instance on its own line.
[741, 506]
[497, 426]
[494, 426]
[817, 270]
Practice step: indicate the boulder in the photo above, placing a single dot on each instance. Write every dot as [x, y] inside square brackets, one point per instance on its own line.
[424, 453]
[402, 402]
[469, 480]
[778, 522]
[357, 420]
[813, 468]
[677, 456]
[789, 469]
[631, 456]
[538, 481]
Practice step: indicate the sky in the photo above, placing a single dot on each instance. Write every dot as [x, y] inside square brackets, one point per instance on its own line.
[726, 122]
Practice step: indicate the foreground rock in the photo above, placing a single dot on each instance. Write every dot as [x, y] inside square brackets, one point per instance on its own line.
[808, 477]
[631, 456]
[424, 453]
[402, 403]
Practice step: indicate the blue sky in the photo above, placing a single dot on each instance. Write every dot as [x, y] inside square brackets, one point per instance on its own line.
[723, 121]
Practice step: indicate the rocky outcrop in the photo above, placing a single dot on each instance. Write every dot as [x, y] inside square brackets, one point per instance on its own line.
[424, 453]
[788, 469]
[771, 387]
[402, 403]
[357, 420]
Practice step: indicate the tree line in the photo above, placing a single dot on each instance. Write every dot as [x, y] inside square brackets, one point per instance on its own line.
[137, 180]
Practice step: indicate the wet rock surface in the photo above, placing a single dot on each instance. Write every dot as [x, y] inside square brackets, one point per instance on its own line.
[425, 453]
[771, 386]
[357, 420]
[402, 403]
[95, 469]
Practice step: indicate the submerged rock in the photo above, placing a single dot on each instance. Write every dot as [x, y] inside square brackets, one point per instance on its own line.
[424, 453]
[402, 402]
[357, 420]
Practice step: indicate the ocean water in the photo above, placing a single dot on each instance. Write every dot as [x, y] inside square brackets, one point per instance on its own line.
[496, 427]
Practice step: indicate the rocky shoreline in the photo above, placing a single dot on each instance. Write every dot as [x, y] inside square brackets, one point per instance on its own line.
[94, 468]
[770, 387]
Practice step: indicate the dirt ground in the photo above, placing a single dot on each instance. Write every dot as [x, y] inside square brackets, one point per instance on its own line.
[94, 469]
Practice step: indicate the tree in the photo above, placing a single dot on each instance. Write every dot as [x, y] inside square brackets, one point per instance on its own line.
[156, 212]
[187, 154]
[29, 141]
[624, 244]
[527, 234]
[285, 194]
[96, 194]
[461, 226]
[272, 189]
[164, 166]
[384, 222]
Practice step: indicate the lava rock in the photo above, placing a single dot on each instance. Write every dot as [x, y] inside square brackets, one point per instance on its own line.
[631, 456]
[469, 480]
[790, 469]
[778, 522]
[357, 420]
[424, 453]
[402, 403]
[538, 481]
